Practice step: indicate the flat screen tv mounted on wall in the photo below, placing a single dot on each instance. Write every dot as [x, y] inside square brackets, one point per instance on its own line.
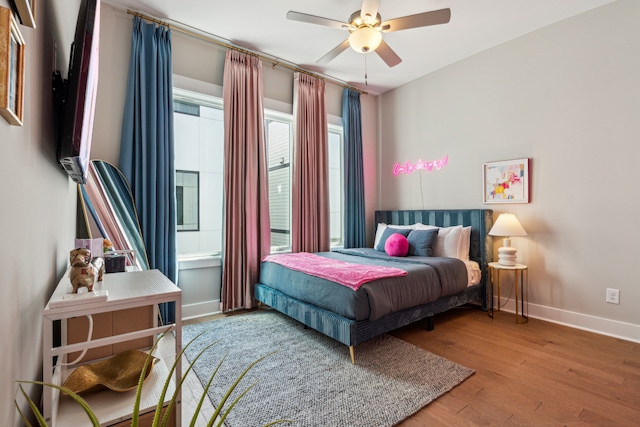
[76, 96]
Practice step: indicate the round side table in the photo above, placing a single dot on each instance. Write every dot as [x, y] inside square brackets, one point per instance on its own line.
[521, 277]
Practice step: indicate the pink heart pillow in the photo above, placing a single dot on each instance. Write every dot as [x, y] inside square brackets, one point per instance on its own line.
[396, 245]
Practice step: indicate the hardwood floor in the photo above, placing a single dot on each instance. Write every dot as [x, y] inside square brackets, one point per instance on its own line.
[537, 373]
[533, 374]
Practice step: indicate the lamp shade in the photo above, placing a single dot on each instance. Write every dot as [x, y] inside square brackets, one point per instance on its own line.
[507, 225]
[365, 39]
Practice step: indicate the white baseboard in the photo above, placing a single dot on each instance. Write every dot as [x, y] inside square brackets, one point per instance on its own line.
[201, 309]
[599, 325]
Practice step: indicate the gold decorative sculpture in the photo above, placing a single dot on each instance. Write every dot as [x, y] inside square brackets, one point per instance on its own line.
[118, 373]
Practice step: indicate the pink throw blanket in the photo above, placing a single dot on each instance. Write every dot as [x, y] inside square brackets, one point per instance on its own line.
[344, 273]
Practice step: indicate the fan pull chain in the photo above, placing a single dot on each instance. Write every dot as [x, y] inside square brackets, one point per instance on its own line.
[365, 70]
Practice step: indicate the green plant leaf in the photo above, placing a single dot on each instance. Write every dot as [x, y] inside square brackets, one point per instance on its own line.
[230, 391]
[206, 389]
[135, 415]
[85, 406]
[178, 388]
[272, 423]
[35, 410]
[135, 419]
[236, 400]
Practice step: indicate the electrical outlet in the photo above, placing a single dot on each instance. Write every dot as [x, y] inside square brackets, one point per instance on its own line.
[613, 296]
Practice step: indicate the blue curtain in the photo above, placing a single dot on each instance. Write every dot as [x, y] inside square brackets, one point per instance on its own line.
[146, 150]
[354, 214]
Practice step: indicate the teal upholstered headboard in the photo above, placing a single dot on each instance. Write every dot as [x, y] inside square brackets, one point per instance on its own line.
[480, 220]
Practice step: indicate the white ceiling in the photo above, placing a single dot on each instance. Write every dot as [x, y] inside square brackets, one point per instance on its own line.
[261, 26]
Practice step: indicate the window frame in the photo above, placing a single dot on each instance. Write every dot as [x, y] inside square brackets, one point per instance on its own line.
[333, 128]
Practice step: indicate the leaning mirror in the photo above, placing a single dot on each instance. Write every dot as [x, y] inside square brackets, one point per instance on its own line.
[109, 209]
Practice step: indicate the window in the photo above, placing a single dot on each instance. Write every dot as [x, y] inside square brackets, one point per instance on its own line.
[199, 154]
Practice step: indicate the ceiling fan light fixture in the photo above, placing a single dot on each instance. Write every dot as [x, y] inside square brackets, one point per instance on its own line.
[365, 39]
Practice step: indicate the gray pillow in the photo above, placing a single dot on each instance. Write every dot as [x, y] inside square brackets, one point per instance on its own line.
[421, 242]
[388, 232]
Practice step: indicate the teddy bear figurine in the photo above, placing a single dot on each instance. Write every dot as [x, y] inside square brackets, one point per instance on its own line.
[85, 269]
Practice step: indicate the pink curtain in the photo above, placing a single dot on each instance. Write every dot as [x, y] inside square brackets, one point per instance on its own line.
[310, 194]
[247, 236]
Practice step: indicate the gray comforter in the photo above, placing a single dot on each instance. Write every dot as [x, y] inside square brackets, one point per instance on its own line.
[427, 279]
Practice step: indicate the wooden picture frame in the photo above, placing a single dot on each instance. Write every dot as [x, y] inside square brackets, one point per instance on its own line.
[26, 12]
[506, 181]
[12, 48]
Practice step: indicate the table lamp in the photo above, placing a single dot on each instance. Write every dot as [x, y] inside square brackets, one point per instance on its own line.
[507, 225]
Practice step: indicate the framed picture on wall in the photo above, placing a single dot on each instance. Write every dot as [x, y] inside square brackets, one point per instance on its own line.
[26, 11]
[506, 181]
[11, 68]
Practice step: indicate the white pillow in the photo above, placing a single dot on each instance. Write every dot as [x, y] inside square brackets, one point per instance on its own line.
[448, 242]
[465, 244]
[452, 242]
[382, 226]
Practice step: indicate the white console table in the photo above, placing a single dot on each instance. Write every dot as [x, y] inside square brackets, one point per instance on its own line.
[125, 291]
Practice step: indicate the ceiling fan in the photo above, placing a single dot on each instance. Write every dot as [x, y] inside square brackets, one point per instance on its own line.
[366, 27]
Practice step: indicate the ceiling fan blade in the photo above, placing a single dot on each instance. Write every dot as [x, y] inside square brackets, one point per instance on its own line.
[333, 53]
[312, 19]
[369, 7]
[388, 55]
[435, 17]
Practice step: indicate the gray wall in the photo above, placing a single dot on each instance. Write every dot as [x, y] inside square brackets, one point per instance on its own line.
[37, 219]
[566, 96]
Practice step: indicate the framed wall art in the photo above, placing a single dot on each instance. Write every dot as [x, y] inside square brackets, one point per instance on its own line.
[506, 181]
[27, 12]
[12, 48]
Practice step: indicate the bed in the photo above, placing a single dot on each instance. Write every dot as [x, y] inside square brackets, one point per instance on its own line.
[315, 306]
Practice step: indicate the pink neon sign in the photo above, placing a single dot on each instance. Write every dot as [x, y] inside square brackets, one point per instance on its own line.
[429, 166]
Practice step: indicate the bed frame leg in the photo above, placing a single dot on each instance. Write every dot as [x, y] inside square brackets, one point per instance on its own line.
[430, 323]
[352, 352]
[259, 305]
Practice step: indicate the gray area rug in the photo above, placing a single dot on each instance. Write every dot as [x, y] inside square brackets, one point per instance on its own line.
[310, 379]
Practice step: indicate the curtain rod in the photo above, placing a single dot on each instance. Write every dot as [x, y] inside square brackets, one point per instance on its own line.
[274, 61]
